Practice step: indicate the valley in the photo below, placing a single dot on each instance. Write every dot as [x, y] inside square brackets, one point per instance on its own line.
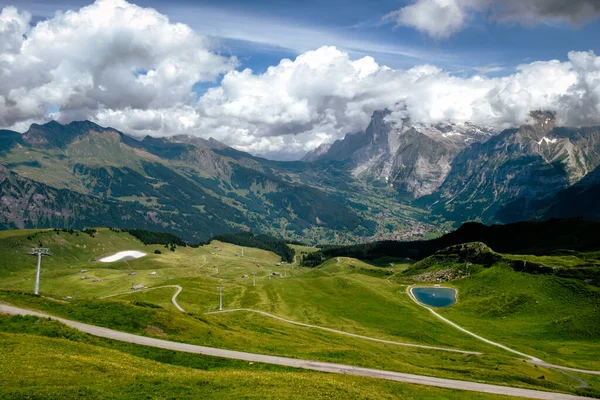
[394, 181]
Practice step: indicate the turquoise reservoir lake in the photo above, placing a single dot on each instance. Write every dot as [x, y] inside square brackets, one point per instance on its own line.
[435, 297]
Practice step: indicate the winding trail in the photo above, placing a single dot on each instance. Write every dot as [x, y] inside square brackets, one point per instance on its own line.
[530, 359]
[297, 363]
[204, 262]
[173, 299]
[213, 274]
[342, 332]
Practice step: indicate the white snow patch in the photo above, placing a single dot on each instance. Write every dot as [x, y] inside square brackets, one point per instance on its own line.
[452, 133]
[123, 255]
[548, 141]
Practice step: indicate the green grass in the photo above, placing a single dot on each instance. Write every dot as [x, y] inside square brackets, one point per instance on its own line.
[350, 295]
[249, 332]
[55, 362]
[549, 317]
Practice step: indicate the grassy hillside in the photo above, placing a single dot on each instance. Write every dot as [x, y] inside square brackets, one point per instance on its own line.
[344, 294]
[546, 316]
[540, 310]
[61, 363]
[265, 242]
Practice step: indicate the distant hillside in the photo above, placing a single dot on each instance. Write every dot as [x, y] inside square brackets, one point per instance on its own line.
[579, 200]
[264, 242]
[149, 237]
[535, 238]
[188, 186]
[31, 204]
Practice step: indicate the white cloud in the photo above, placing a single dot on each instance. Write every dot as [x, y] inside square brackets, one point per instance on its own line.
[109, 55]
[13, 26]
[438, 18]
[488, 69]
[327, 94]
[443, 18]
[128, 67]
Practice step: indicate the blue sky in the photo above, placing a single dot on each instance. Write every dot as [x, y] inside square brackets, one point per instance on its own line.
[262, 32]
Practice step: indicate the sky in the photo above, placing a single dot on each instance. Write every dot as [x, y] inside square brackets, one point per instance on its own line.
[278, 78]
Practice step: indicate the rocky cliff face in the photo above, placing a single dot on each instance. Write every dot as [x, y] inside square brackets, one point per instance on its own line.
[502, 179]
[317, 153]
[413, 158]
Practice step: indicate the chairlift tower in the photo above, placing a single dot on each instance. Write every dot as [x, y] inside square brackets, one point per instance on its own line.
[39, 252]
[220, 297]
[254, 279]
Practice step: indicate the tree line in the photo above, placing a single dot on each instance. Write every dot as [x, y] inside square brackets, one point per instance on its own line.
[264, 242]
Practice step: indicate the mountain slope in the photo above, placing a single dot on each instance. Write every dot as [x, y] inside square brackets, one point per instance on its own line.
[579, 200]
[30, 204]
[504, 178]
[219, 188]
[412, 158]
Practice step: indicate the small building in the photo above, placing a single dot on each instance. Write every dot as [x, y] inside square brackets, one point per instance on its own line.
[245, 276]
[84, 278]
[83, 271]
[278, 264]
[276, 273]
[132, 273]
[138, 287]
[152, 273]
[95, 280]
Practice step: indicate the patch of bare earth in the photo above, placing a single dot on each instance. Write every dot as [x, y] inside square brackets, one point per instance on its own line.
[155, 331]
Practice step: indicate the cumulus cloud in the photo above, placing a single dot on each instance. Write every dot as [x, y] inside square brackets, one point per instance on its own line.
[109, 55]
[327, 93]
[130, 68]
[438, 18]
[443, 18]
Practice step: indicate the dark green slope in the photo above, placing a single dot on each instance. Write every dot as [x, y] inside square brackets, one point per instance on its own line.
[192, 186]
[30, 204]
[538, 238]
[580, 200]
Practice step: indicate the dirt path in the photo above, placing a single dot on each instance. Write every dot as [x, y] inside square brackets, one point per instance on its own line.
[342, 332]
[204, 263]
[296, 363]
[530, 359]
[173, 299]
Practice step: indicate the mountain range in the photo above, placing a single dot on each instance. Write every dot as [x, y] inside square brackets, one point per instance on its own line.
[461, 172]
[72, 175]
[394, 180]
[413, 158]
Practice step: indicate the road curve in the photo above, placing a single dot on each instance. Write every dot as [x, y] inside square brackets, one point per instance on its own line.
[295, 363]
[530, 359]
[173, 299]
[342, 332]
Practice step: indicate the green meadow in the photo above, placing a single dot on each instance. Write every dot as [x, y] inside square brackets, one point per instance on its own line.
[344, 294]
